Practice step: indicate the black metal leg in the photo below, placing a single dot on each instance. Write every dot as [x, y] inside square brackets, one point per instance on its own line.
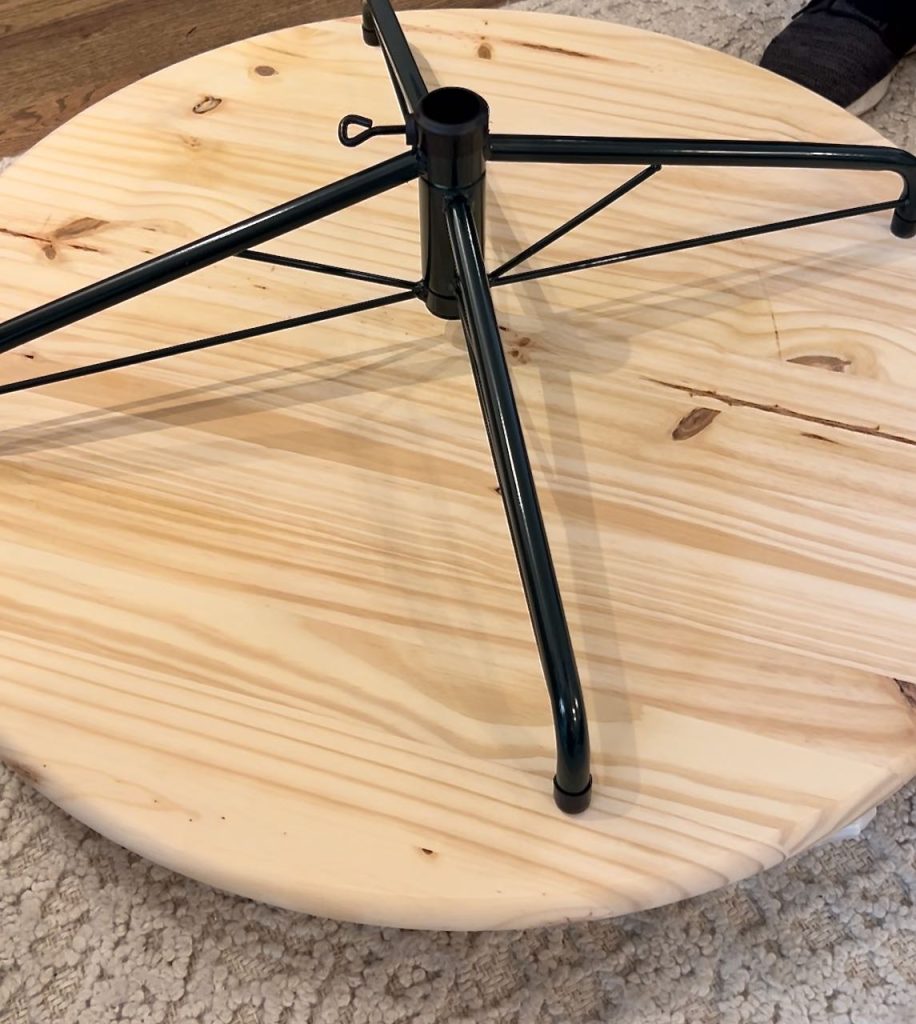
[205, 251]
[382, 28]
[572, 783]
[583, 149]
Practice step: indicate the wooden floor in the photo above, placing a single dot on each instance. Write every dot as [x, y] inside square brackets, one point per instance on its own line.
[59, 56]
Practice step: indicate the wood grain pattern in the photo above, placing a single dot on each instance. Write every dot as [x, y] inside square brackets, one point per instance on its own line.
[261, 618]
[59, 56]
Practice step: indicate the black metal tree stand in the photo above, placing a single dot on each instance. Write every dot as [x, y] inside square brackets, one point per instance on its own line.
[449, 145]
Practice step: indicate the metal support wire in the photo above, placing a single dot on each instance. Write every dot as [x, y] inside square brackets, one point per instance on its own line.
[136, 358]
[324, 268]
[448, 134]
[574, 222]
[692, 243]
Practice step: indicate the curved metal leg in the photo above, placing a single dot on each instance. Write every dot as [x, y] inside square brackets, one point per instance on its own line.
[587, 149]
[573, 781]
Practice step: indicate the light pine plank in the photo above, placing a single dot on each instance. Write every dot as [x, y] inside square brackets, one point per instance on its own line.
[261, 617]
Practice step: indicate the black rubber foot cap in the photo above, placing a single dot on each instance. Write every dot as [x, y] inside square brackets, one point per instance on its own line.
[902, 227]
[370, 38]
[572, 803]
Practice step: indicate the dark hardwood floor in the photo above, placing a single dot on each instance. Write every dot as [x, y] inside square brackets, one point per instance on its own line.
[58, 56]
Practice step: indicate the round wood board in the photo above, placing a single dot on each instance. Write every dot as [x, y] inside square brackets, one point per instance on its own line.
[262, 621]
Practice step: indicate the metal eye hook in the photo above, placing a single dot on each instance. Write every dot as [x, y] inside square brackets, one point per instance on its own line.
[370, 130]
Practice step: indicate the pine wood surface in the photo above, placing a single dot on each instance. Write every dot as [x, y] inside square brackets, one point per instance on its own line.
[261, 620]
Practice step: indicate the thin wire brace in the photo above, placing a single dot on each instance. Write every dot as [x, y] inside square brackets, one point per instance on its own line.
[324, 268]
[199, 344]
[574, 222]
[692, 243]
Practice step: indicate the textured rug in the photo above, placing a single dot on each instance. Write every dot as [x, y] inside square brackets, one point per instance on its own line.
[90, 933]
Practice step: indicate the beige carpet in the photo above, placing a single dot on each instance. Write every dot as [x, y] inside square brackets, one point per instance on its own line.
[90, 933]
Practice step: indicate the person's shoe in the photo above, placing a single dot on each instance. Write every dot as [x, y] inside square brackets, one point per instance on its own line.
[845, 50]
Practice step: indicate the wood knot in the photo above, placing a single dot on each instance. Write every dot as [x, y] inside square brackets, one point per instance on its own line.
[207, 104]
[518, 348]
[265, 70]
[485, 51]
[695, 421]
[908, 690]
[80, 226]
[833, 363]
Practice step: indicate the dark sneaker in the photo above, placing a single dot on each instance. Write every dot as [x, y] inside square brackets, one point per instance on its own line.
[845, 50]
